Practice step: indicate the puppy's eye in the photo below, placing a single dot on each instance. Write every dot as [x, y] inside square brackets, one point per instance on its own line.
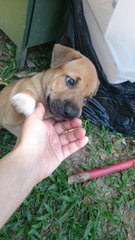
[69, 81]
[86, 99]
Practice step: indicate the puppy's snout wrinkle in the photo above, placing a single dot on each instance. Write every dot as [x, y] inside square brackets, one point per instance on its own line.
[70, 110]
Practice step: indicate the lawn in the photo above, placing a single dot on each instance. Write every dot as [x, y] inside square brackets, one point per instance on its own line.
[102, 209]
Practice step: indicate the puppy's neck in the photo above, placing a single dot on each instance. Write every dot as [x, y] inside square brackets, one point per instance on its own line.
[41, 82]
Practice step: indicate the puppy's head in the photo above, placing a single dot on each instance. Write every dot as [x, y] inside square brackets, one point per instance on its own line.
[72, 80]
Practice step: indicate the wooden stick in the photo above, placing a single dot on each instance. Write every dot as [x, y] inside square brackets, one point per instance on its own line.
[95, 173]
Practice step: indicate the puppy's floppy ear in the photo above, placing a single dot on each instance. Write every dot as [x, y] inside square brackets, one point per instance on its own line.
[62, 55]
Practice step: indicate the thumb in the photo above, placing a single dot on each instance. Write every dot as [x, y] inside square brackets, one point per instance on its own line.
[40, 111]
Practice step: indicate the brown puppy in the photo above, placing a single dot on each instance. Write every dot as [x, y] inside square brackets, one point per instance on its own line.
[63, 89]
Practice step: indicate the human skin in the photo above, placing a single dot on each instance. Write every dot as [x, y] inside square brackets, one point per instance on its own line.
[41, 147]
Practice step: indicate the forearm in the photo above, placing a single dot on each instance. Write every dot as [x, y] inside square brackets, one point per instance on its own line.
[16, 182]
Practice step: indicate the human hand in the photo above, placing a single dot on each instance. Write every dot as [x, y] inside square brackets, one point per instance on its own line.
[45, 143]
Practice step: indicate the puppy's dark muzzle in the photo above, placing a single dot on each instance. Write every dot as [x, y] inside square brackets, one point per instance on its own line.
[63, 110]
[70, 110]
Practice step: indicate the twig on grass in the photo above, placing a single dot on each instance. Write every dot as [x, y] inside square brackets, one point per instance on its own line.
[99, 172]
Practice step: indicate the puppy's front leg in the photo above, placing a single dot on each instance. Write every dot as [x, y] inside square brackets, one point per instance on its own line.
[23, 103]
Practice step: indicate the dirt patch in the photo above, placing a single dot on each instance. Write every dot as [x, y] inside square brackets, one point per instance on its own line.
[129, 217]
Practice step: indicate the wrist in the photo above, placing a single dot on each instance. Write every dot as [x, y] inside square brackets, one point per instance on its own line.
[25, 166]
[16, 182]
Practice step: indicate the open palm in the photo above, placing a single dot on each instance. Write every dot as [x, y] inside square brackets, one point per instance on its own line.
[48, 143]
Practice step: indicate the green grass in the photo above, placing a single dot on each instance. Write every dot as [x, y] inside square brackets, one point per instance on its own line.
[101, 209]
[55, 210]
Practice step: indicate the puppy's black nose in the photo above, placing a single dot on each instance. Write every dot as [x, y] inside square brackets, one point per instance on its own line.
[70, 110]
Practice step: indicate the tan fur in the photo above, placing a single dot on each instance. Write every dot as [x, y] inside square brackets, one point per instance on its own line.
[65, 62]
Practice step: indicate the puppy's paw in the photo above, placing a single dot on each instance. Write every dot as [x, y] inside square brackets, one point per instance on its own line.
[23, 103]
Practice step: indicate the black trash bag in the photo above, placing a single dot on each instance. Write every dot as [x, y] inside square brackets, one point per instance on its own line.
[114, 105]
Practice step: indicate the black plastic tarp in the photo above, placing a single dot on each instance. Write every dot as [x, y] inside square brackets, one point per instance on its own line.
[114, 105]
